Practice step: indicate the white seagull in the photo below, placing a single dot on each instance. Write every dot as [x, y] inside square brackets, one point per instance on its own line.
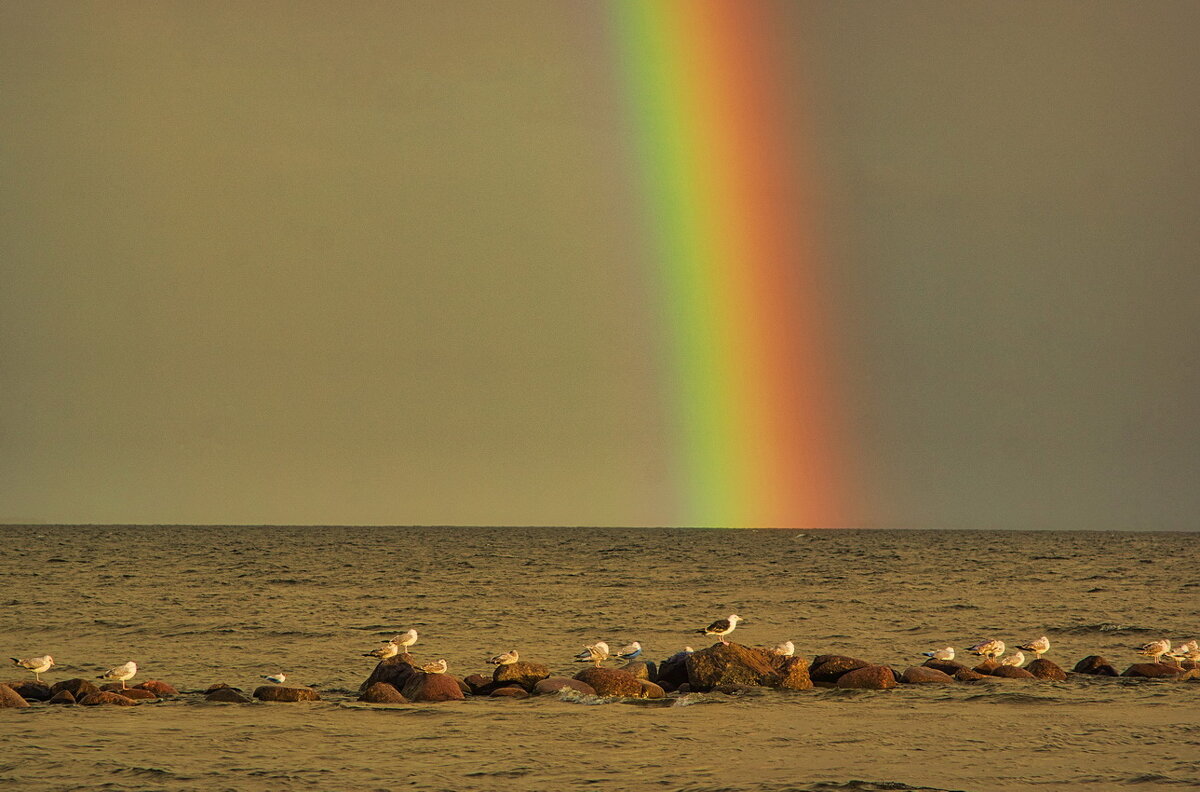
[389, 649]
[1187, 651]
[1155, 649]
[438, 667]
[1017, 658]
[945, 653]
[276, 679]
[404, 640]
[629, 651]
[722, 627]
[38, 665]
[1038, 647]
[785, 649]
[593, 653]
[505, 658]
[990, 649]
[120, 673]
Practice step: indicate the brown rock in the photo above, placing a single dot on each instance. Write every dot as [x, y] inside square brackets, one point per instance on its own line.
[1011, 672]
[610, 682]
[674, 669]
[1154, 671]
[281, 693]
[793, 673]
[651, 690]
[986, 667]
[948, 667]
[432, 687]
[62, 697]
[1095, 664]
[871, 677]
[106, 697]
[555, 684]
[226, 694]
[511, 691]
[642, 669]
[965, 674]
[218, 686]
[479, 684]
[160, 689]
[9, 699]
[1047, 670]
[924, 675]
[137, 694]
[382, 693]
[522, 674]
[115, 687]
[31, 690]
[669, 688]
[396, 671]
[829, 668]
[734, 664]
[78, 687]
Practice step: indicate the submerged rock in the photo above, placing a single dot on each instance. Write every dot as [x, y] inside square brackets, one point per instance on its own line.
[432, 687]
[382, 693]
[829, 668]
[1155, 671]
[510, 691]
[1046, 670]
[158, 688]
[965, 674]
[9, 699]
[281, 693]
[914, 675]
[62, 697]
[137, 694]
[522, 674]
[1011, 672]
[611, 682]
[1096, 665]
[78, 687]
[871, 677]
[106, 697]
[554, 684]
[734, 664]
[226, 694]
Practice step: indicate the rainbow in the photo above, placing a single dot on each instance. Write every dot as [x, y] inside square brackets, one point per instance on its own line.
[728, 221]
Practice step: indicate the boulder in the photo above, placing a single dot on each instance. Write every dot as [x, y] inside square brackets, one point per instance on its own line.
[9, 699]
[674, 669]
[651, 690]
[1096, 665]
[137, 694]
[62, 697]
[734, 664]
[948, 667]
[1047, 670]
[986, 667]
[479, 684]
[226, 694]
[382, 693]
[642, 669]
[78, 687]
[281, 693]
[158, 688]
[1155, 671]
[923, 675]
[1011, 672]
[396, 671]
[115, 687]
[829, 668]
[510, 691]
[432, 687]
[106, 697]
[218, 686]
[666, 686]
[870, 677]
[611, 682]
[965, 674]
[555, 684]
[522, 674]
[31, 690]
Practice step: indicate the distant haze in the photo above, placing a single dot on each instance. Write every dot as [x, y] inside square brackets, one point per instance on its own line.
[314, 262]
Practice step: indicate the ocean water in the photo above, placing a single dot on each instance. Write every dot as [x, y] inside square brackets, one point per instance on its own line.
[195, 606]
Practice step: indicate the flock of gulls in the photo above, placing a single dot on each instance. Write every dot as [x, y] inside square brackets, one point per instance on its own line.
[991, 649]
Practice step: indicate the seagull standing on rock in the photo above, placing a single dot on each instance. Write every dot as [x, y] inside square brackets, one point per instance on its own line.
[437, 667]
[120, 673]
[38, 665]
[276, 679]
[1016, 659]
[722, 627]
[1155, 649]
[629, 652]
[593, 653]
[991, 649]
[946, 653]
[404, 640]
[389, 649]
[785, 649]
[1038, 647]
[505, 658]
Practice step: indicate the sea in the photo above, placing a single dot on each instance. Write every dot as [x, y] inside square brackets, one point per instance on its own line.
[194, 606]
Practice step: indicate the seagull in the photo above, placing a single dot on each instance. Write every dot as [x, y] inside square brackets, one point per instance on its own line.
[1155, 649]
[946, 653]
[785, 649]
[722, 627]
[276, 679]
[1017, 658]
[990, 649]
[1038, 647]
[389, 649]
[404, 640]
[120, 673]
[505, 658]
[1187, 651]
[38, 665]
[593, 653]
[628, 652]
[435, 668]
